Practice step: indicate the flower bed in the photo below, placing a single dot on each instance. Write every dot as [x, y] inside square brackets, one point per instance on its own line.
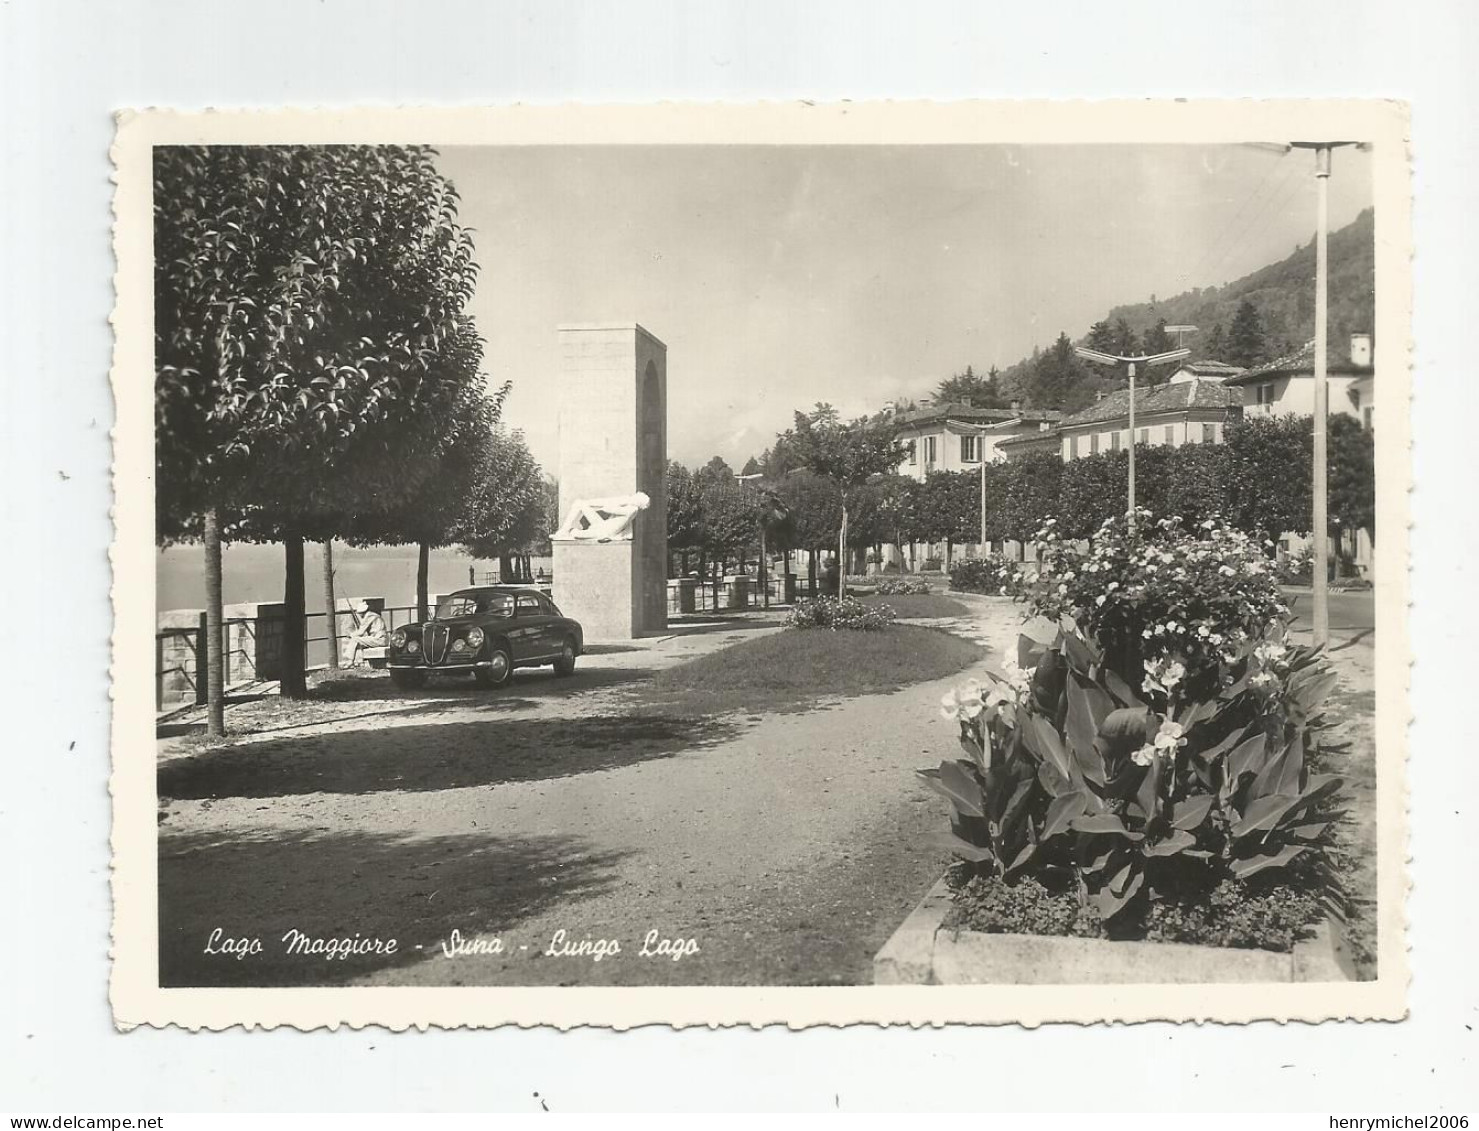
[1163, 600]
[994, 575]
[898, 586]
[839, 613]
[1157, 811]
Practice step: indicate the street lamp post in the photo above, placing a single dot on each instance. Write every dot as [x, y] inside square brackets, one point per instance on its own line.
[764, 564]
[1320, 598]
[1146, 360]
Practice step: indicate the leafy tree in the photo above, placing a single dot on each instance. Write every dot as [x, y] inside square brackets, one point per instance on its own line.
[1031, 494]
[1102, 337]
[815, 506]
[1156, 340]
[436, 514]
[1352, 476]
[848, 454]
[1216, 344]
[1056, 375]
[1125, 340]
[685, 513]
[1246, 344]
[1195, 484]
[506, 509]
[752, 467]
[970, 388]
[1269, 462]
[304, 300]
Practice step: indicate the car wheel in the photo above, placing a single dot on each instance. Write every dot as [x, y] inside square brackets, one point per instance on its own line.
[499, 670]
[407, 679]
[565, 665]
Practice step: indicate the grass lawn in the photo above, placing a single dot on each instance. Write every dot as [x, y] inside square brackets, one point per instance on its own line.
[795, 669]
[909, 605]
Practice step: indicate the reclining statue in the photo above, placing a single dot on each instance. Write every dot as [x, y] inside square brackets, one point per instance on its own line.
[601, 520]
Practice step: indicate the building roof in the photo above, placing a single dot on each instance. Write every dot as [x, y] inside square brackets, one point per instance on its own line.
[1209, 368]
[1025, 440]
[1182, 397]
[1301, 361]
[955, 411]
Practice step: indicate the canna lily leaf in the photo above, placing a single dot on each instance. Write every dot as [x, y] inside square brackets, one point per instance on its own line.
[1247, 758]
[1264, 813]
[957, 787]
[1192, 812]
[1178, 841]
[1082, 726]
[1242, 869]
[1121, 690]
[1061, 811]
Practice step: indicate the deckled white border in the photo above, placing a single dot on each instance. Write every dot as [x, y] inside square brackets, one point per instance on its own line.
[135, 995]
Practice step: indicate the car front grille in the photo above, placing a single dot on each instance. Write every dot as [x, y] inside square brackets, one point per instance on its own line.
[434, 642]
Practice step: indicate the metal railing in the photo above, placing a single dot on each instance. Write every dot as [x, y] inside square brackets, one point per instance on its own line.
[241, 656]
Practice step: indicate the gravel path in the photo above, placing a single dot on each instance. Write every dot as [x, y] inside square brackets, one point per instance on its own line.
[785, 847]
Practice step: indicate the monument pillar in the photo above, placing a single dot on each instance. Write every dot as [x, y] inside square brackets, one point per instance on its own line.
[613, 446]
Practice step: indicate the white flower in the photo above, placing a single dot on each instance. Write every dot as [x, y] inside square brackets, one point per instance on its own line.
[1209, 524]
[1145, 756]
[963, 702]
[1169, 737]
[1113, 585]
[1216, 639]
[1227, 571]
[1204, 632]
[1172, 626]
[1099, 600]
[1147, 634]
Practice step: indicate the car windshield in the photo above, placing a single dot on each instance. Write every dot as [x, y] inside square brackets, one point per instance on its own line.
[457, 605]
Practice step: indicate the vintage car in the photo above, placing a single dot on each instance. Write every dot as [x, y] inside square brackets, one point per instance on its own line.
[486, 631]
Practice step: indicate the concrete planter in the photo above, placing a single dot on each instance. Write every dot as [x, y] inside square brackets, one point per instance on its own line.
[922, 952]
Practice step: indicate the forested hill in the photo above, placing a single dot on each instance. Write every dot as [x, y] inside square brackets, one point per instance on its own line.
[1251, 320]
[1283, 293]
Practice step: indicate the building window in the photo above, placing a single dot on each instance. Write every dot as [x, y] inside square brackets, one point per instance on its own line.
[1144, 437]
[1264, 393]
[970, 449]
[929, 449]
[1073, 447]
[1366, 417]
[1114, 440]
[1094, 444]
[913, 453]
[1171, 434]
[1209, 433]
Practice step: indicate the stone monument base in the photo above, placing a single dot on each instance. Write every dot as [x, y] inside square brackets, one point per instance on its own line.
[588, 587]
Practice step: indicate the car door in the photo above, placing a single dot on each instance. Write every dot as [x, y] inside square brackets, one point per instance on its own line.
[531, 624]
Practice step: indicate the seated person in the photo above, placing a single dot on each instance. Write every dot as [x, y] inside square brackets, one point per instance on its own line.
[368, 632]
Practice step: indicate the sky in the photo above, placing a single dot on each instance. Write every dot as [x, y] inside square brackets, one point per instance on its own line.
[780, 276]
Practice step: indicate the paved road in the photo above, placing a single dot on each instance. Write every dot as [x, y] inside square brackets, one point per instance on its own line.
[787, 847]
[1352, 615]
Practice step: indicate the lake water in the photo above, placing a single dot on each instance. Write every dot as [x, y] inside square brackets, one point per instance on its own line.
[255, 573]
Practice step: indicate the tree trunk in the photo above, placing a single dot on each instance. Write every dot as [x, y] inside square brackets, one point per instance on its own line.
[294, 679]
[215, 667]
[842, 553]
[811, 572]
[423, 594]
[948, 549]
[331, 606]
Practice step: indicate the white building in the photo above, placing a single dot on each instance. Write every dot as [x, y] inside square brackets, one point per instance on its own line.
[957, 437]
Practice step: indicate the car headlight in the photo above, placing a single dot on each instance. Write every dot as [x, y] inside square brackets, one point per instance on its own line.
[475, 638]
[398, 638]
[413, 647]
[459, 645]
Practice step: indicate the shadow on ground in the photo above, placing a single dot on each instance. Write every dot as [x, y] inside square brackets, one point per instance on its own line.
[272, 714]
[433, 756]
[415, 890]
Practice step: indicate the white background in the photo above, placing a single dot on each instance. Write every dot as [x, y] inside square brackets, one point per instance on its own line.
[67, 65]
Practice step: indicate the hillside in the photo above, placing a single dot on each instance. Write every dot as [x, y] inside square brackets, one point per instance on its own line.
[1282, 293]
